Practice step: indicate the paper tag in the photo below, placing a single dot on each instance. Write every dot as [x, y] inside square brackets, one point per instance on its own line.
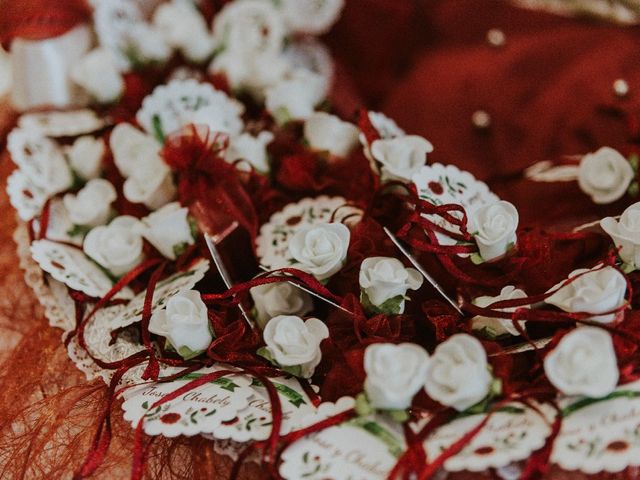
[365, 448]
[40, 159]
[510, 435]
[440, 185]
[62, 124]
[26, 197]
[273, 242]
[174, 105]
[71, 266]
[164, 290]
[602, 435]
[200, 410]
[254, 422]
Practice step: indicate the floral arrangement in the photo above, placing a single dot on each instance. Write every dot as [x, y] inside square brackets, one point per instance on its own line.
[241, 262]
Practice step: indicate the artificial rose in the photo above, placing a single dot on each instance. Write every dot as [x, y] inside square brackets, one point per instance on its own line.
[605, 175]
[98, 74]
[583, 363]
[252, 149]
[395, 373]
[458, 374]
[168, 230]
[320, 249]
[295, 98]
[596, 292]
[184, 322]
[274, 299]
[626, 234]
[498, 326]
[401, 157]
[253, 72]
[293, 342]
[384, 279]
[117, 247]
[147, 44]
[91, 206]
[150, 184]
[495, 228]
[310, 17]
[327, 132]
[184, 28]
[131, 147]
[386, 127]
[85, 156]
[249, 27]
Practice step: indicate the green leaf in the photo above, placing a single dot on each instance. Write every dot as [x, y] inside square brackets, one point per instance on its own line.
[157, 128]
[187, 353]
[180, 248]
[476, 258]
[634, 189]
[295, 370]
[634, 160]
[399, 416]
[281, 115]
[363, 407]
[78, 230]
[388, 307]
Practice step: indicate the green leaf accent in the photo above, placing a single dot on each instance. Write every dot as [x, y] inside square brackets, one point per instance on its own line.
[381, 433]
[145, 405]
[363, 407]
[476, 258]
[281, 115]
[627, 267]
[388, 307]
[585, 402]
[634, 160]
[78, 230]
[187, 353]
[399, 416]
[634, 189]
[158, 132]
[295, 370]
[180, 248]
[193, 227]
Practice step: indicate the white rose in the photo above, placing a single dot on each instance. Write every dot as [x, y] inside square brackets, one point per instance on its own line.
[626, 234]
[85, 156]
[150, 184]
[458, 374]
[384, 278]
[296, 97]
[274, 299]
[401, 157]
[320, 249]
[395, 373]
[148, 44]
[498, 326]
[252, 149]
[583, 363]
[253, 72]
[386, 127]
[292, 342]
[495, 229]
[98, 74]
[249, 26]
[117, 246]
[184, 28]
[311, 17]
[604, 175]
[184, 322]
[168, 229]
[131, 147]
[91, 206]
[327, 132]
[596, 292]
